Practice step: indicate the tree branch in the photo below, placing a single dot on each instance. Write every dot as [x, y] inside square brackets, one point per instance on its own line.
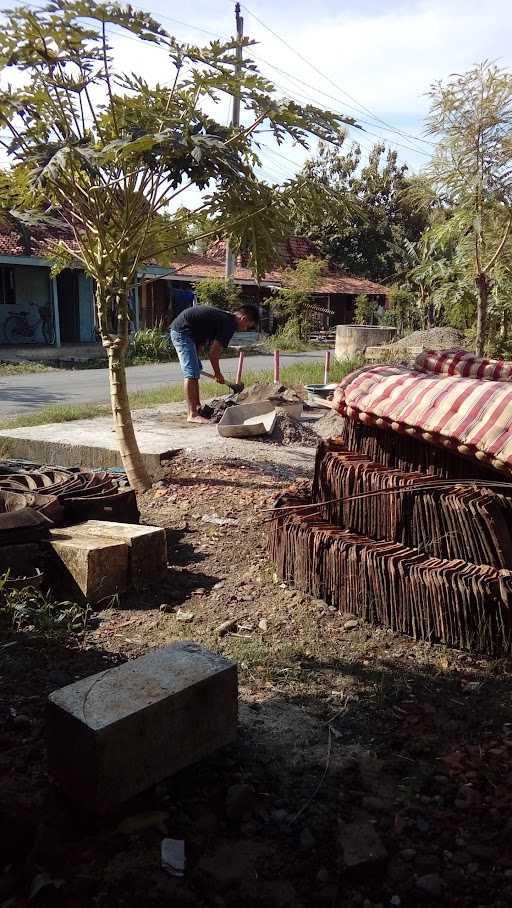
[496, 255]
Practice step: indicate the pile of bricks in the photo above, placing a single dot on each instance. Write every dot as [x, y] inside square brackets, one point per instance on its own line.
[378, 539]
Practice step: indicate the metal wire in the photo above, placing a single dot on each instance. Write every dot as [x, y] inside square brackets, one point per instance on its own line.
[399, 490]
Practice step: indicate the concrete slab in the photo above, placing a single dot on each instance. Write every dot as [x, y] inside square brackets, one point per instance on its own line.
[147, 547]
[98, 567]
[117, 733]
[160, 431]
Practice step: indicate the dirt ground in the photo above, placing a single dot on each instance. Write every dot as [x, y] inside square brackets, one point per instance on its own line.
[340, 724]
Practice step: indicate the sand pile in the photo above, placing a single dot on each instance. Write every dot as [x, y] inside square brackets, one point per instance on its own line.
[290, 431]
[330, 425]
[432, 339]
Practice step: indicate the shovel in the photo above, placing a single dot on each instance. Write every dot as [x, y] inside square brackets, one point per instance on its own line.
[236, 388]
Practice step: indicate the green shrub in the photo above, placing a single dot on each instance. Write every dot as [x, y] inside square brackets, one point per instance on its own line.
[288, 337]
[366, 310]
[222, 294]
[150, 345]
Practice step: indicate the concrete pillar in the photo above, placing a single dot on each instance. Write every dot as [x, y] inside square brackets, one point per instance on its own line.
[56, 319]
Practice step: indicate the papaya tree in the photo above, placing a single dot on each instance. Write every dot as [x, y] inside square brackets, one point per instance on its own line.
[108, 153]
[471, 116]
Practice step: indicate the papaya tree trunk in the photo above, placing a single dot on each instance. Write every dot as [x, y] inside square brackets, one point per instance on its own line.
[482, 284]
[116, 347]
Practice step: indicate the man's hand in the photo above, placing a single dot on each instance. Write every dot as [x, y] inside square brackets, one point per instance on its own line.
[215, 351]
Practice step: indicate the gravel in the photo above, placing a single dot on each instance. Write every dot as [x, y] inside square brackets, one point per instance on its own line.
[432, 339]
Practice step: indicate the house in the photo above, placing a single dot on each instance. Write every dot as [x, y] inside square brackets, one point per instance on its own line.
[333, 301]
[36, 308]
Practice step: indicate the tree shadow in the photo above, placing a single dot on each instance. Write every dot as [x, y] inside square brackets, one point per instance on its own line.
[418, 751]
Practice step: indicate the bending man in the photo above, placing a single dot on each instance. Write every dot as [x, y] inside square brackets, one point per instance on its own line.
[206, 325]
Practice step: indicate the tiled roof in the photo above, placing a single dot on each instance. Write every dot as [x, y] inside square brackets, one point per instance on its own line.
[11, 240]
[196, 267]
[289, 253]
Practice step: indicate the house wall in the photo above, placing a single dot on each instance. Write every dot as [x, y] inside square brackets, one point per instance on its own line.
[32, 289]
[86, 301]
[32, 286]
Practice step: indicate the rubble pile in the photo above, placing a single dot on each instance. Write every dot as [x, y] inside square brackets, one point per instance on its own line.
[278, 394]
[259, 392]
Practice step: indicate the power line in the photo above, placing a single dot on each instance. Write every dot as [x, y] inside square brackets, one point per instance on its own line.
[328, 79]
[121, 35]
[334, 98]
[391, 143]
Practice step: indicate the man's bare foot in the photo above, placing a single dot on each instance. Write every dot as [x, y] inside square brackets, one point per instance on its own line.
[197, 419]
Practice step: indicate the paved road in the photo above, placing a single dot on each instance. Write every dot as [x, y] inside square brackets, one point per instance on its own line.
[20, 394]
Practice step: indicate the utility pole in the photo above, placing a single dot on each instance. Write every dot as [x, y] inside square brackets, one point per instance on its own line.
[235, 121]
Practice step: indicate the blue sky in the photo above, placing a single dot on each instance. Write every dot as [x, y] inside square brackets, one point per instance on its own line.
[372, 60]
[384, 55]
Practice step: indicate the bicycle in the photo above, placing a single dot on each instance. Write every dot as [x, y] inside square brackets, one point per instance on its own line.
[18, 327]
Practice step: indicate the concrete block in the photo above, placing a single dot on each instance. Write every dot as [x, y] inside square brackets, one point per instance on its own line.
[147, 547]
[99, 567]
[117, 733]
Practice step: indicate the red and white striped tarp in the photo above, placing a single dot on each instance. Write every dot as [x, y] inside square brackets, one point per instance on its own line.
[468, 414]
[467, 365]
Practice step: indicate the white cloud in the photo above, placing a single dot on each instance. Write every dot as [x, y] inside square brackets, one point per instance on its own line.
[388, 61]
[385, 59]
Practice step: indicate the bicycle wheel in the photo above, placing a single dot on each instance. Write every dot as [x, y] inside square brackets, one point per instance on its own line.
[16, 329]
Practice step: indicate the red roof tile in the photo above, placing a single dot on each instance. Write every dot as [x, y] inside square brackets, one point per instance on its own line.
[196, 267]
[288, 253]
[11, 240]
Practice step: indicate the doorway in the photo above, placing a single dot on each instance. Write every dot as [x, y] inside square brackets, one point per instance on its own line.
[69, 306]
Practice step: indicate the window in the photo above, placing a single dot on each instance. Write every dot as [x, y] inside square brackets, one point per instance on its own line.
[7, 290]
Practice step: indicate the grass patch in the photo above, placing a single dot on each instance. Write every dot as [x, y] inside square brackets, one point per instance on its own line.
[289, 345]
[22, 368]
[28, 608]
[297, 373]
[56, 413]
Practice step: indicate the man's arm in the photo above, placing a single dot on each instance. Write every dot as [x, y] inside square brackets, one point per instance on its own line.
[216, 349]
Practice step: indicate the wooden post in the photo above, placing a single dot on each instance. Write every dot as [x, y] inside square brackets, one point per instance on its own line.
[240, 367]
[327, 366]
[277, 369]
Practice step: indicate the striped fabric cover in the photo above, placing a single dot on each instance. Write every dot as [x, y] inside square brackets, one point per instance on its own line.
[467, 365]
[470, 415]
